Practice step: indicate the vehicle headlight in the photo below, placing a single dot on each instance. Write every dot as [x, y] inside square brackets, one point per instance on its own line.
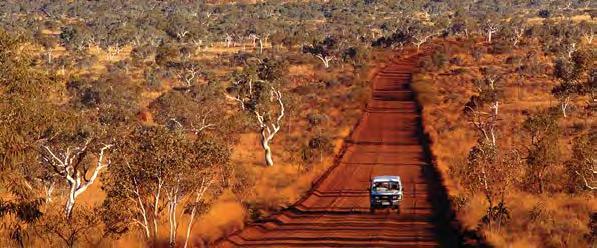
[395, 197]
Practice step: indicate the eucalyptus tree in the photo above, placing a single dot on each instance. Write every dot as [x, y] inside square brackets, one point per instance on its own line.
[491, 24]
[196, 109]
[483, 107]
[582, 168]
[28, 117]
[463, 23]
[70, 163]
[515, 30]
[326, 50]
[258, 94]
[157, 169]
[490, 169]
[573, 74]
[543, 131]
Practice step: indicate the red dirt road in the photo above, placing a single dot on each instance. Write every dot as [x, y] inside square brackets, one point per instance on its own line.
[387, 141]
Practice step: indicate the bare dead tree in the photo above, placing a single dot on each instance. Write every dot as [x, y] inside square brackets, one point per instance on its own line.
[326, 59]
[188, 75]
[420, 38]
[490, 30]
[196, 129]
[253, 37]
[571, 49]
[589, 35]
[68, 164]
[228, 40]
[518, 34]
[485, 123]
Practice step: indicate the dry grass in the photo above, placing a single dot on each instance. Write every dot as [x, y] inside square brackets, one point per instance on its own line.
[546, 220]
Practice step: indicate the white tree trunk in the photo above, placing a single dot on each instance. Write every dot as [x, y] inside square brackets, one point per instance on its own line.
[68, 168]
[260, 46]
[589, 37]
[156, 208]
[199, 195]
[489, 34]
[564, 106]
[68, 208]
[49, 53]
[266, 148]
[49, 189]
[143, 212]
[172, 206]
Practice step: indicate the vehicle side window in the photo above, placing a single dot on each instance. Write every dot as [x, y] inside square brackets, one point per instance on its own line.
[394, 186]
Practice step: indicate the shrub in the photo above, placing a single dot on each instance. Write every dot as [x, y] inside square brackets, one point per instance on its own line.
[317, 147]
[316, 119]
[511, 60]
[456, 61]
[501, 47]
[458, 71]
[477, 53]
[544, 13]
[439, 59]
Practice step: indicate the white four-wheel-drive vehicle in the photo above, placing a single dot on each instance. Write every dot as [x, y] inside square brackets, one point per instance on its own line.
[385, 191]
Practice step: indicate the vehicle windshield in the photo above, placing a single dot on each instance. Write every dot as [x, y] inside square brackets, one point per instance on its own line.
[385, 186]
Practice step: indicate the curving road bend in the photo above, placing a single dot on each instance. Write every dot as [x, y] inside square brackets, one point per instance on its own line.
[335, 213]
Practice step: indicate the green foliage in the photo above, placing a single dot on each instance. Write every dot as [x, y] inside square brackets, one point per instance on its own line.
[254, 84]
[154, 158]
[270, 69]
[36, 109]
[114, 98]
[29, 116]
[497, 215]
[489, 171]
[166, 54]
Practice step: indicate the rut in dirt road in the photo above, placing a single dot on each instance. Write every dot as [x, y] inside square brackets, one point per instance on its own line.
[387, 141]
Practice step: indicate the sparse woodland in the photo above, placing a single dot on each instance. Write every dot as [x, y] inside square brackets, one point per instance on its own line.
[173, 123]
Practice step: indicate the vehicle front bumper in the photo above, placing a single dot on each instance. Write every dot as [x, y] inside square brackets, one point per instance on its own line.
[385, 201]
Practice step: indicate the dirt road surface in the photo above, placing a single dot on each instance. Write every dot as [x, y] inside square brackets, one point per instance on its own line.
[335, 213]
